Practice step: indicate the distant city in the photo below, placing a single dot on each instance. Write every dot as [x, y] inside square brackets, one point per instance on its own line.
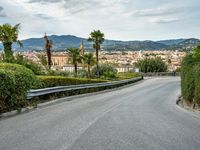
[121, 54]
[122, 61]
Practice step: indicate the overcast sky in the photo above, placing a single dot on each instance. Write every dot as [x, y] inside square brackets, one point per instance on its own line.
[118, 19]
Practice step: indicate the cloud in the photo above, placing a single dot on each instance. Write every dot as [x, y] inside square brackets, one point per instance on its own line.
[118, 19]
[164, 20]
[2, 14]
[79, 6]
[44, 1]
[155, 12]
[160, 15]
[43, 16]
[1, 8]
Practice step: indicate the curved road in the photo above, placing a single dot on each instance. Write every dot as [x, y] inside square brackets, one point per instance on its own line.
[139, 117]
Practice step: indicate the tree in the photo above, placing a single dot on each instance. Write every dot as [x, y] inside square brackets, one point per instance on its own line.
[75, 58]
[151, 65]
[8, 36]
[48, 46]
[106, 71]
[89, 60]
[196, 54]
[97, 37]
[43, 59]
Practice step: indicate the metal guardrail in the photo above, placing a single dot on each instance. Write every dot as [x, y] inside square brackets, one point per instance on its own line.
[39, 92]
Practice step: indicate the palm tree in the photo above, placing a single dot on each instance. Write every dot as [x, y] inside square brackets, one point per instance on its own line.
[75, 58]
[8, 36]
[89, 60]
[97, 37]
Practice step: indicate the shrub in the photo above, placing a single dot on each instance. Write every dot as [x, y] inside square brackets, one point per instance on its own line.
[6, 89]
[197, 84]
[187, 79]
[151, 65]
[24, 79]
[105, 71]
[36, 68]
[21, 60]
[52, 81]
[187, 83]
[127, 75]
[82, 73]
[58, 73]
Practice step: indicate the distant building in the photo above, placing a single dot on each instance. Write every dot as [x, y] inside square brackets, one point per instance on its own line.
[62, 61]
[70, 67]
[82, 50]
[59, 60]
[125, 69]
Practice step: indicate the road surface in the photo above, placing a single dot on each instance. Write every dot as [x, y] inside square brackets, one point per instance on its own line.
[139, 117]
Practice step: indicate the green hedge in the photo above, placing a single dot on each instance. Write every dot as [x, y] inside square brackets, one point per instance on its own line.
[197, 84]
[127, 75]
[190, 79]
[187, 83]
[52, 81]
[19, 80]
[6, 89]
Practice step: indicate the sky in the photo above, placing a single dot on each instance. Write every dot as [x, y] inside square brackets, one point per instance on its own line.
[117, 19]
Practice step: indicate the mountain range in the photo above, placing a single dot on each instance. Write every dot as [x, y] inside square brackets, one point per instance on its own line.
[61, 43]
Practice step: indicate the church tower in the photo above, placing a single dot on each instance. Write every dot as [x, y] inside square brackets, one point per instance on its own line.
[82, 50]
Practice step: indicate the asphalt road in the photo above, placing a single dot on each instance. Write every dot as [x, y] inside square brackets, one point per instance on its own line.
[139, 117]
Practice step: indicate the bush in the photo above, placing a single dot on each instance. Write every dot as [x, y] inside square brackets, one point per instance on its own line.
[24, 79]
[59, 73]
[105, 71]
[21, 60]
[187, 83]
[52, 81]
[151, 65]
[127, 75]
[82, 73]
[6, 89]
[36, 68]
[197, 84]
[190, 79]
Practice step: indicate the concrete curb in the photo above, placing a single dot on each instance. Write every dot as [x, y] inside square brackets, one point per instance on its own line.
[181, 104]
[16, 112]
[60, 100]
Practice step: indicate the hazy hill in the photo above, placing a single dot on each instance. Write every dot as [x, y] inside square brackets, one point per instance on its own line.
[65, 41]
[171, 42]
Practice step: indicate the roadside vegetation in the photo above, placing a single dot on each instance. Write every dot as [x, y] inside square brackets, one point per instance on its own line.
[18, 74]
[190, 78]
[52, 81]
[151, 65]
[15, 80]
[127, 75]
